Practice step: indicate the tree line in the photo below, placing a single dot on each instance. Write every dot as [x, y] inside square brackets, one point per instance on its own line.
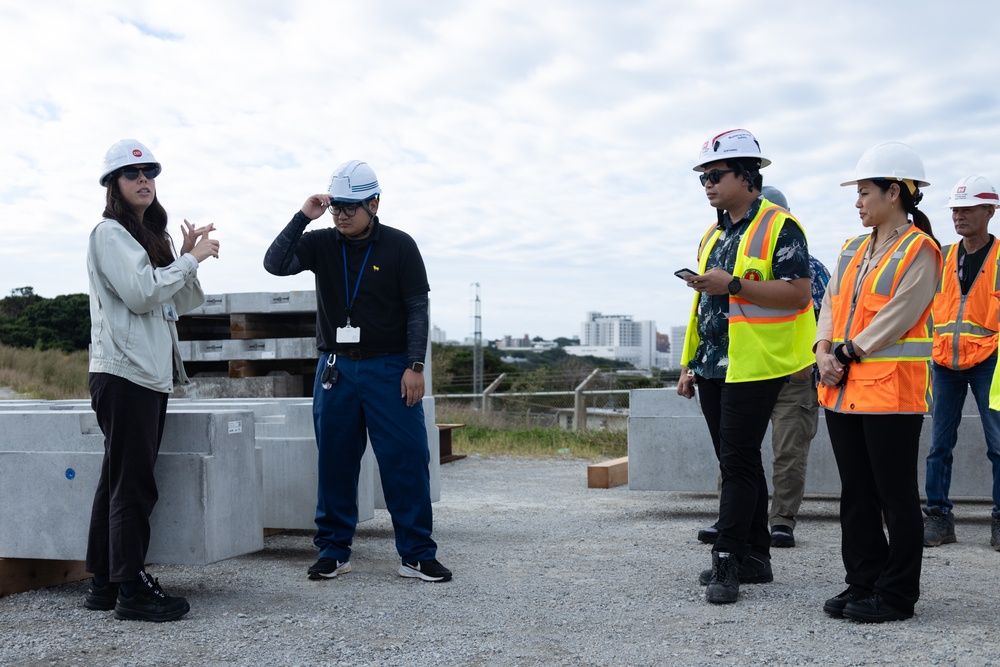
[28, 320]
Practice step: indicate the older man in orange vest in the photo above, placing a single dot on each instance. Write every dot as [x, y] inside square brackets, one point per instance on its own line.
[965, 351]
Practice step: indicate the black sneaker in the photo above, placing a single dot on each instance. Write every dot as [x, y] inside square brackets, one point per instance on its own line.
[995, 532]
[428, 570]
[709, 535]
[149, 603]
[101, 598]
[835, 605]
[782, 537]
[753, 570]
[724, 586]
[939, 527]
[328, 568]
[873, 609]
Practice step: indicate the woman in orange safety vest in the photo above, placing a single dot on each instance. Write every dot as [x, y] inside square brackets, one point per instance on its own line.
[873, 350]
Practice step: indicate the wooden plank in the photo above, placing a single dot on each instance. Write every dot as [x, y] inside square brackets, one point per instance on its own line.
[18, 575]
[277, 325]
[445, 454]
[242, 368]
[608, 474]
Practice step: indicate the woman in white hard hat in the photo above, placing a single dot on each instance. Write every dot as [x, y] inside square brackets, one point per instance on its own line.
[873, 349]
[137, 290]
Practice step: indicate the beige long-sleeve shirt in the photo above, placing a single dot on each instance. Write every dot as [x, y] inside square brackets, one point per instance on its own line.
[916, 290]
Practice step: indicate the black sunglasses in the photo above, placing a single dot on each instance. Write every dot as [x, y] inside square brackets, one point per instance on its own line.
[715, 176]
[150, 172]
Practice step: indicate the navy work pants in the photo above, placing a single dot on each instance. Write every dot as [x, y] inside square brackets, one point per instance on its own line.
[366, 403]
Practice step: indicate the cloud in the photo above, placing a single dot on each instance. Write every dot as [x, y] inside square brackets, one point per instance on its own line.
[542, 151]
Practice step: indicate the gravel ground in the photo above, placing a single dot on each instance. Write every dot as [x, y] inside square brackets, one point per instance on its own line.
[547, 572]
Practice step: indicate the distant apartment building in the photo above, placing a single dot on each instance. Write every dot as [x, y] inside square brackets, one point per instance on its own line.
[621, 338]
[525, 344]
[676, 345]
[438, 335]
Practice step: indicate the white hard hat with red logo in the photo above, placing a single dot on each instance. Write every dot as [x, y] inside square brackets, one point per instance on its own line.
[728, 145]
[124, 153]
[973, 191]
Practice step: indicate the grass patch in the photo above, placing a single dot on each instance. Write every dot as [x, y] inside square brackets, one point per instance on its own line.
[44, 374]
[496, 435]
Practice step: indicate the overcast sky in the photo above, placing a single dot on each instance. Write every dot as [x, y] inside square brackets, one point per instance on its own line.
[542, 150]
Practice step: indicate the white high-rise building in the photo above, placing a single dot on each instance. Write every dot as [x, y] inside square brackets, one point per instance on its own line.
[676, 345]
[621, 338]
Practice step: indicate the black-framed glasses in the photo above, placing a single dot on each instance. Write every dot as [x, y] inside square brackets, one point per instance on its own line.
[338, 207]
[714, 176]
[149, 171]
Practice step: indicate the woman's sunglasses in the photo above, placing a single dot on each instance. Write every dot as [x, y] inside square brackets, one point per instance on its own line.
[150, 172]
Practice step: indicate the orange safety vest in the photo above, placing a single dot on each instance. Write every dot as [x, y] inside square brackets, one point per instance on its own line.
[965, 327]
[896, 379]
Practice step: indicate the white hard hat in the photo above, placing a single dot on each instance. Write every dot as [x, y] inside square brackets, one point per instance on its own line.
[353, 181]
[775, 196]
[973, 191]
[124, 153]
[891, 160]
[730, 144]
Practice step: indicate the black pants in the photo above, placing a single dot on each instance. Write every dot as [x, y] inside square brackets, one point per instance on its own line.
[877, 459]
[131, 418]
[737, 414]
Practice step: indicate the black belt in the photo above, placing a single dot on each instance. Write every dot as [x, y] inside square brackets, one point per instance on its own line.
[356, 353]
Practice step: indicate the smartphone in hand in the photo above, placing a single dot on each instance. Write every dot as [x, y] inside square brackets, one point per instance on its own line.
[685, 274]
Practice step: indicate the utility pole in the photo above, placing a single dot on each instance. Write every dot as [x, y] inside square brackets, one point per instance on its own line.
[477, 342]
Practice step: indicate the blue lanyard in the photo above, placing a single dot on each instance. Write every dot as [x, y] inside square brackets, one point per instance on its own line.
[347, 290]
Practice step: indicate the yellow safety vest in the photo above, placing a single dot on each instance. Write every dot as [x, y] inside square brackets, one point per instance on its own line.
[764, 343]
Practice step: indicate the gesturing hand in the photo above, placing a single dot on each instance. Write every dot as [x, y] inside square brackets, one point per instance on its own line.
[197, 242]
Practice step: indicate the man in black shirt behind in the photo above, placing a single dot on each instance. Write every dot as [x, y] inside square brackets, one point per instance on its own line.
[371, 330]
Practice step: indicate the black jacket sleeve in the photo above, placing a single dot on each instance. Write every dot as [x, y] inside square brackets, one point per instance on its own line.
[280, 259]
[417, 321]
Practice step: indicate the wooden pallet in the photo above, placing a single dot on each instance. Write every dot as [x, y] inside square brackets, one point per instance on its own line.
[246, 326]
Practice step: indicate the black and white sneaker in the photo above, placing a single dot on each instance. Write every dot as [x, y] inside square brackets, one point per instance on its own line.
[428, 570]
[149, 603]
[101, 598]
[328, 568]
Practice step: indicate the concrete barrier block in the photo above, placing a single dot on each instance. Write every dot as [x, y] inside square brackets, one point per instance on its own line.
[250, 349]
[669, 449]
[208, 477]
[258, 302]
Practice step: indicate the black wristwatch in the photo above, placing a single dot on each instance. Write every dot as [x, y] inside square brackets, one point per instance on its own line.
[417, 367]
[735, 286]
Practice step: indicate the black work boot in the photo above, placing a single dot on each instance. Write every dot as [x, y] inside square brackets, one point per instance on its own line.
[148, 602]
[724, 587]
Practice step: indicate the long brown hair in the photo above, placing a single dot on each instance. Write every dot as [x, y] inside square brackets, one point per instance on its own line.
[150, 231]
